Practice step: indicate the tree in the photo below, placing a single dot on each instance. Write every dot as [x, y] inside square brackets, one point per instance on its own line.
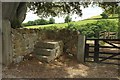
[37, 22]
[109, 7]
[30, 23]
[104, 15]
[68, 19]
[43, 22]
[46, 9]
[51, 21]
[15, 12]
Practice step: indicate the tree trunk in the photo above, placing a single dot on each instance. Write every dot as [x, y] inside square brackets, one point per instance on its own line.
[13, 14]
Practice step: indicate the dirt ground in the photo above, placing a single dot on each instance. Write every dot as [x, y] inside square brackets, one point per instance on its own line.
[64, 67]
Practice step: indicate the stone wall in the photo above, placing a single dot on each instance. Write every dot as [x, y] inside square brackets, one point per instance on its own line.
[69, 38]
[24, 40]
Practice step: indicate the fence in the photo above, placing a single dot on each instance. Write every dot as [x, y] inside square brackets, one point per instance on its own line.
[113, 52]
[108, 35]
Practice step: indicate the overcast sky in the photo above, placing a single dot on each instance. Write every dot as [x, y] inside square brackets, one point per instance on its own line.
[87, 13]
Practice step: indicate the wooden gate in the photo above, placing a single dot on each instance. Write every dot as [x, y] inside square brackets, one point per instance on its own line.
[108, 35]
[102, 51]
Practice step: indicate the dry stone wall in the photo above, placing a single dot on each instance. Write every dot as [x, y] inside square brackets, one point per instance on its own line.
[69, 38]
[24, 40]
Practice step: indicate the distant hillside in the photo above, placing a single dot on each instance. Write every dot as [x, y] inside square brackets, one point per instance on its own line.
[82, 22]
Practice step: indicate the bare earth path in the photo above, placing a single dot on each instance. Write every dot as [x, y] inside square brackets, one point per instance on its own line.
[64, 67]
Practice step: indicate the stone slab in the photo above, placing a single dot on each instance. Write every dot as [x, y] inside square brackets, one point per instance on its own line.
[48, 55]
[48, 44]
[45, 58]
[45, 52]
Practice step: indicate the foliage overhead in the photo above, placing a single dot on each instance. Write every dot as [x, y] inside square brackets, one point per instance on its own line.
[46, 9]
[109, 7]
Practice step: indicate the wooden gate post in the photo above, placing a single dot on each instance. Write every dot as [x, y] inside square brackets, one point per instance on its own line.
[86, 50]
[81, 48]
[96, 51]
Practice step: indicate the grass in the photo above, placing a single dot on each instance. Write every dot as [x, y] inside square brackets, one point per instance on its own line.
[82, 22]
[62, 25]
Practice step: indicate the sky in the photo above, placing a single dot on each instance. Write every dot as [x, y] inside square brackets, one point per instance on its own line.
[87, 13]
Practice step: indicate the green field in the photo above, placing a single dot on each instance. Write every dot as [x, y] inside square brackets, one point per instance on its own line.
[82, 22]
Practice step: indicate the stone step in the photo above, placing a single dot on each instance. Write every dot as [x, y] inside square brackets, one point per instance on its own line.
[45, 58]
[48, 44]
[45, 52]
[48, 58]
[48, 51]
